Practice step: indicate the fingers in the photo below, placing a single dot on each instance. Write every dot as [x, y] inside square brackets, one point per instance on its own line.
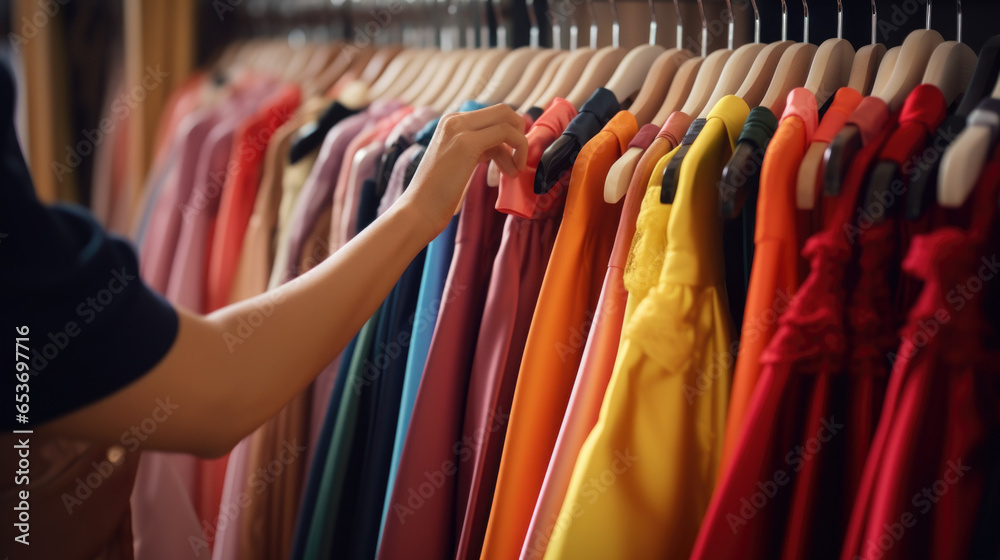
[500, 134]
[485, 118]
[493, 175]
[504, 160]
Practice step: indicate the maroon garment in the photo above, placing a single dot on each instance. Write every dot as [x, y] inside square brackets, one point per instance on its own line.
[517, 279]
[421, 518]
[803, 366]
[820, 509]
[925, 477]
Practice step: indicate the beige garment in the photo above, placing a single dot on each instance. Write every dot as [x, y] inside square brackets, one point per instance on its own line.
[78, 499]
[276, 466]
[294, 179]
[257, 255]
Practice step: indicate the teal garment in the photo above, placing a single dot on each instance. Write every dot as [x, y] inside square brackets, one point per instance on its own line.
[319, 543]
[435, 272]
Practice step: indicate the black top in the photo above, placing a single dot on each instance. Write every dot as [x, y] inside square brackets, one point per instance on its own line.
[310, 136]
[93, 326]
[559, 158]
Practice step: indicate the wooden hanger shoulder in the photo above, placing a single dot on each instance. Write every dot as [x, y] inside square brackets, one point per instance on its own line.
[909, 69]
[508, 74]
[532, 91]
[734, 73]
[950, 69]
[759, 78]
[633, 71]
[885, 69]
[411, 67]
[486, 66]
[792, 72]
[680, 89]
[865, 67]
[600, 68]
[568, 75]
[831, 69]
[704, 83]
[961, 164]
[657, 84]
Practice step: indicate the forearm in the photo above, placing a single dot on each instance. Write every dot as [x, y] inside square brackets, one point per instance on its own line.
[229, 372]
[295, 331]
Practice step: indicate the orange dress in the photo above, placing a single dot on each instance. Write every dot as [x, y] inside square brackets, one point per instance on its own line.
[774, 276]
[566, 307]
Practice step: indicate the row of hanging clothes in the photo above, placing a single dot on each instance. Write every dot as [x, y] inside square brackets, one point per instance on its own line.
[738, 304]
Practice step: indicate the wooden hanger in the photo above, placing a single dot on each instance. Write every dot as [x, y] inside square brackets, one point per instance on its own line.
[831, 68]
[433, 80]
[867, 60]
[570, 70]
[909, 68]
[734, 73]
[648, 100]
[599, 69]
[704, 83]
[920, 193]
[549, 75]
[658, 82]
[964, 160]
[950, 69]
[486, 64]
[793, 68]
[511, 71]
[536, 75]
[403, 71]
[764, 68]
[634, 72]
[680, 89]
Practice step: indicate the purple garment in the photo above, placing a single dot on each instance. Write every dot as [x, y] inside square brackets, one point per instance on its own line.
[317, 193]
[395, 188]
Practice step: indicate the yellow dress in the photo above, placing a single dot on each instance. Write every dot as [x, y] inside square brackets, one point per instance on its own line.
[645, 475]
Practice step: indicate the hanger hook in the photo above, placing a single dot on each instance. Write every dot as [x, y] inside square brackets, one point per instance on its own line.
[756, 22]
[574, 28]
[533, 21]
[929, 14]
[652, 23]
[704, 29]
[840, 19]
[784, 21]
[680, 24]
[593, 24]
[501, 24]
[732, 23]
[874, 20]
[805, 21]
[958, 9]
[614, 24]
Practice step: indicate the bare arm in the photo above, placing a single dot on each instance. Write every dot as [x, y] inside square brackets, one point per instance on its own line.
[222, 383]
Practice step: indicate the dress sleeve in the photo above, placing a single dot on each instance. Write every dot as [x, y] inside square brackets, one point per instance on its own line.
[93, 326]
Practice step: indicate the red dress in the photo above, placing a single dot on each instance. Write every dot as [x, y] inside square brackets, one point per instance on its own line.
[749, 514]
[923, 483]
[821, 503]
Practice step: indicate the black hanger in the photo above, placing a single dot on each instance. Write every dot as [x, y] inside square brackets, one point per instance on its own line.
[837, 158]
[310, 136]
[741, 176]
[669, 188]
[920, 193]
[558, 159]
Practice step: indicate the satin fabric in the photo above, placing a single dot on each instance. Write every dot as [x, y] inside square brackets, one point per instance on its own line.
[596, 364]
[646, 472]
[925, 476]
[567, 305]
[422, 515]
[778, 439]
[774, 275]
[529, 233]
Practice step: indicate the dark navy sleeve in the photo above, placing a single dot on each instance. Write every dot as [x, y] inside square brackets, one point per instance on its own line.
[92, 325]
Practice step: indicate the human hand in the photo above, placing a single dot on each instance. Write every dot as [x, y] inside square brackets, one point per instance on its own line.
[461, 142]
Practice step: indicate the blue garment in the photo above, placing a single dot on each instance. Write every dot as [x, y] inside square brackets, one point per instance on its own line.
[436, 266]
